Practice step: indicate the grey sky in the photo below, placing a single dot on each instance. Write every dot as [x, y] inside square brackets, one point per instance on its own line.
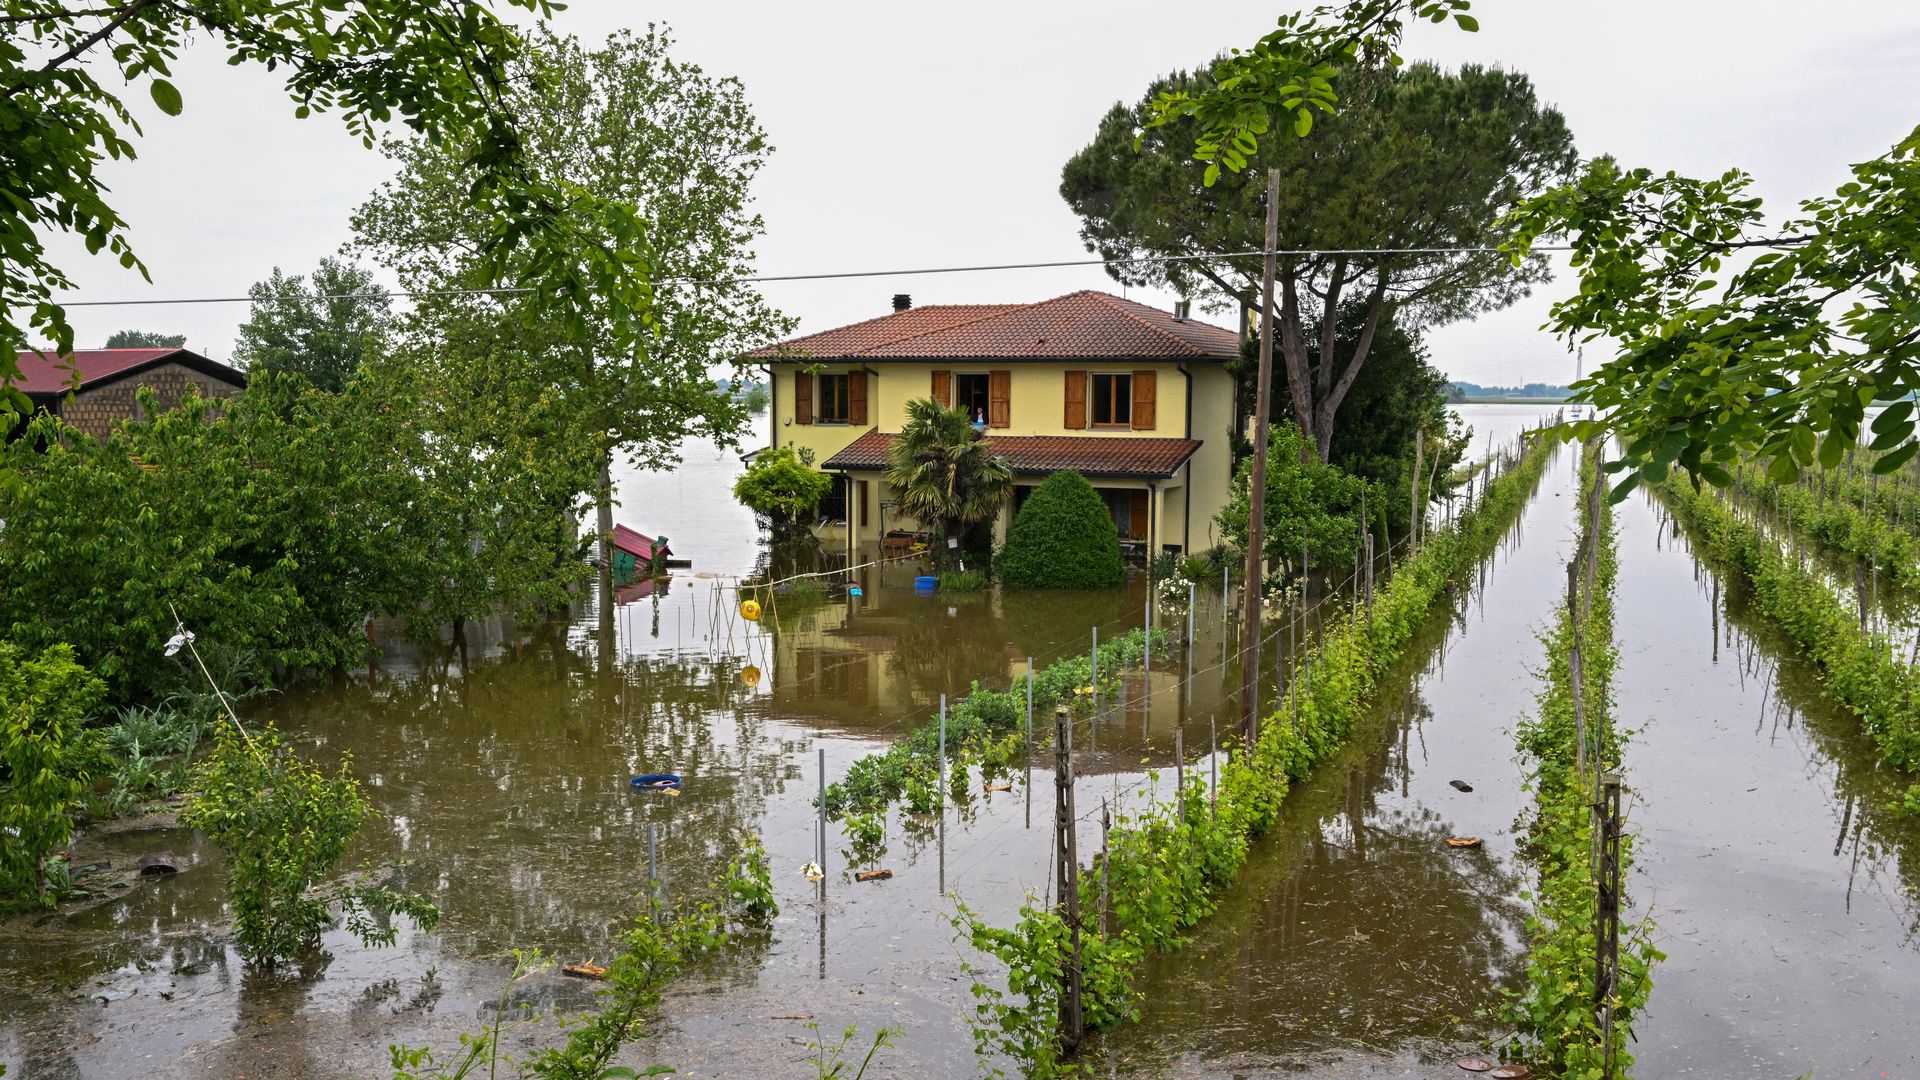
[924, 135]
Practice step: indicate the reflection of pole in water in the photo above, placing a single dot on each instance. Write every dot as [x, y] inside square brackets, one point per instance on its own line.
[1029, 746]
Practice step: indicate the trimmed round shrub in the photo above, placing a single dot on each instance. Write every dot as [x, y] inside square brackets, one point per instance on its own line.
[1063, 538]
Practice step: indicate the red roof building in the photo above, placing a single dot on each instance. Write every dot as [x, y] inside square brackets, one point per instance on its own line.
[94, 389]
[1137, 399]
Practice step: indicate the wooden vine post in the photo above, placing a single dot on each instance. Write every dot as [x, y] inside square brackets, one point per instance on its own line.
[1606, 975]
[1067, 878]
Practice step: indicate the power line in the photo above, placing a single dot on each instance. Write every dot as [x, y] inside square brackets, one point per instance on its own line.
[844, 275]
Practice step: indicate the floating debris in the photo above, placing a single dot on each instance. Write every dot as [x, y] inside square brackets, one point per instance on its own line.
[999, 787]
[812, 871]
[1463, 841]
[159, 864]
[588, 970]
[1474, 1064]
[660, 781]
[872, 875]
[1460, 785]
[1511, 1072]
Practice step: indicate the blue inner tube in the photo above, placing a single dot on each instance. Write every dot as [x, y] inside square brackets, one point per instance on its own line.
[658, 781]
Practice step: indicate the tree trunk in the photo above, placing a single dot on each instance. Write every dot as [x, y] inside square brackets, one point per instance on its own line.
[603, 507]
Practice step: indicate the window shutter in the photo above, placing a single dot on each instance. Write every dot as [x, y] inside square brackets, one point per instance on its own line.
[1138, 526]
[1143, 401]
[803, 397]
[857, 397]
[1076, 401]
[999, 398]
[943, 388]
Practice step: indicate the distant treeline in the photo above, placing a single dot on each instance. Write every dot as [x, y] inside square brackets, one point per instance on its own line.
[1458, 392]
[750, 391]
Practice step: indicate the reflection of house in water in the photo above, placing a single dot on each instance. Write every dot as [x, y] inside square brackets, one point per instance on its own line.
[878, 664]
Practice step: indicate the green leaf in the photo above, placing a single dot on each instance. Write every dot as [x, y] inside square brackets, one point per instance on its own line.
[1625, 487]
[1302, 123]
[1467, 22]
[1896, 458]
[166, 96]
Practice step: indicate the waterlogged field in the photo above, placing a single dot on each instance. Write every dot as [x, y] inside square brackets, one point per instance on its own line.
[1354, 943]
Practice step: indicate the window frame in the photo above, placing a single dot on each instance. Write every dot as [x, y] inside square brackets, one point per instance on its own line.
[842, 379]
[986, 393]
[1121, 401]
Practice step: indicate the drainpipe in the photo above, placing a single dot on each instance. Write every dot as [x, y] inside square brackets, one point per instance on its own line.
[773, 408]
[1186, 503]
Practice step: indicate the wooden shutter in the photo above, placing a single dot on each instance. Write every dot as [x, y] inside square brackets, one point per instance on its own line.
[943, 388]
[861, 503]
[1076, 401]
[803, 397]
[857, 397]
[999, 398]
[1137, 528]
[1143, 394]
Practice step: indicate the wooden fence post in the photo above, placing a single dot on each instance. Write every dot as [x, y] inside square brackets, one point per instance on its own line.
[1067, 877]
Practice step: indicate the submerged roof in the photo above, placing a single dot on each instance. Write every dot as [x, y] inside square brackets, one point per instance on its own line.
[1080, 325]
[1088, 455]
[43, 373]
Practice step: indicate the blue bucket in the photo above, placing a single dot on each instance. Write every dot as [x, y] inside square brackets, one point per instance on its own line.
[925, 583]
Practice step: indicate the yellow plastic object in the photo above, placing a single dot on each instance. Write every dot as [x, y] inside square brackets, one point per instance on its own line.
[750, 610]
[750, 675]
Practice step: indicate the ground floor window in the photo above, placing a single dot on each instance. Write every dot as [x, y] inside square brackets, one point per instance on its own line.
[834, 506]
[1129, 507]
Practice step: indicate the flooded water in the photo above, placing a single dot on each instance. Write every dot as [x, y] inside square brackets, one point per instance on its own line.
[502, 793]
[1780, 879]
[1358, 943]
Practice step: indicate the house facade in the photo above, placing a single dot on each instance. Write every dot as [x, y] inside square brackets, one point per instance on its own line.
[109, 378]
[1136, 399]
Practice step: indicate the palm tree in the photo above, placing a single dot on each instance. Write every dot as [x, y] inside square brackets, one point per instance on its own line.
[943, 474]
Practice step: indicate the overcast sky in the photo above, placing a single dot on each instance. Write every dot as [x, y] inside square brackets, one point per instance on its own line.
[915, 135]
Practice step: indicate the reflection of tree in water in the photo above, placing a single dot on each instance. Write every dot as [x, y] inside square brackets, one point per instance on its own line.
[507, 786]
[1871, 833]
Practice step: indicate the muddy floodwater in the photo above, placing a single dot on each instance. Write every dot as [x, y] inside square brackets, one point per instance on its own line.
[1355, 945]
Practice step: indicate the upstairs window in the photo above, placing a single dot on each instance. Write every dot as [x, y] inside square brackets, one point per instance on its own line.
[833, 399]
[1112, 400]
[970, 394]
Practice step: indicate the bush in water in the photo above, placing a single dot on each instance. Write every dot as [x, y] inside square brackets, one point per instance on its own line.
[1063, 538]
[1553, 1011]
[284, 826]
[48, 762]
[1860, 669]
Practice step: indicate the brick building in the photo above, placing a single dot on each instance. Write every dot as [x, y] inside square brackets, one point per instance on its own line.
[110, 377]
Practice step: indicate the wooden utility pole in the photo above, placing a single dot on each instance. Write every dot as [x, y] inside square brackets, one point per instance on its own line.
[1413, 498]
[1257, 486]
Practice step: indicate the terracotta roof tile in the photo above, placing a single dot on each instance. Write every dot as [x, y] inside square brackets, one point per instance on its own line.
[1079, 325]
[1144, 458]
[44, 374]
[41, 373]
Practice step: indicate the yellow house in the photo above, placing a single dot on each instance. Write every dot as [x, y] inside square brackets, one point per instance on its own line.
[1137, 400]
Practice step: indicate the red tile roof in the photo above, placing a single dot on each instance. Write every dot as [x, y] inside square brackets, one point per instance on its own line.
[1081, 325]
[1088, 455]
[44, 374]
